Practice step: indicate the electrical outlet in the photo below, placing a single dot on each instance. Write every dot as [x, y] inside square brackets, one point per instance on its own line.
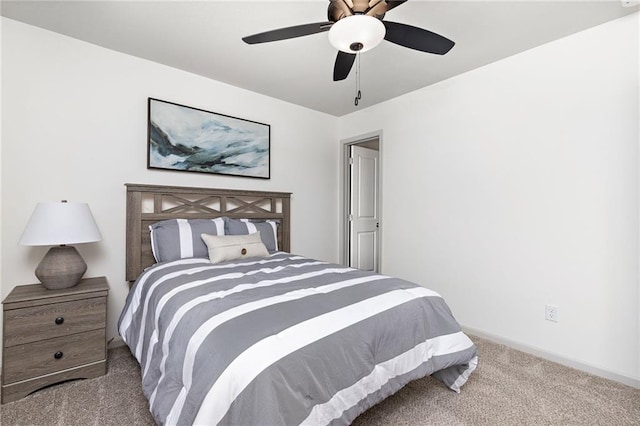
[551, 313]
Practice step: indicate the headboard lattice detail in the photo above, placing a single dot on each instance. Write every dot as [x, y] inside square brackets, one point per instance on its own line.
[147, 204]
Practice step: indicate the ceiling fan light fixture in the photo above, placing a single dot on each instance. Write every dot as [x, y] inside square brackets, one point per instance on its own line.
[356, 33]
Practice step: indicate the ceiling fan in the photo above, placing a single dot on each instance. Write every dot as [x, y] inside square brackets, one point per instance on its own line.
[356, 26]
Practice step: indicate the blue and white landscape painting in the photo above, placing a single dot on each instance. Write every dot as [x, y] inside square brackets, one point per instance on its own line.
[183, 138]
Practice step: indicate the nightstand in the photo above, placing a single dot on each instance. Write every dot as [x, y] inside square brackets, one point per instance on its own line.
[53, 335]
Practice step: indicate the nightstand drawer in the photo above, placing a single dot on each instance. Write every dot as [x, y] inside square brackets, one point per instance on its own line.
[39, 358]
[26, 325]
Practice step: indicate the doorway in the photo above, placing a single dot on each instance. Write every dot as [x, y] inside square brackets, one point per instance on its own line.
[362, 224]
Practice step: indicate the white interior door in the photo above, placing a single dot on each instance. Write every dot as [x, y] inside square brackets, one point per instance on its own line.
[364, 215]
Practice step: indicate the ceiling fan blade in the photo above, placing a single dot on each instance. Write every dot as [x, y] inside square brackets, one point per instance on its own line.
[338, 9]
[288, 32]
[342, 67]
[380, 8]
[393, 4]
[417, 38]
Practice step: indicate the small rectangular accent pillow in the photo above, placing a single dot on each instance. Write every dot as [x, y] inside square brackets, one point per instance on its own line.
[223, 248]
[268, 230]
[175, 239]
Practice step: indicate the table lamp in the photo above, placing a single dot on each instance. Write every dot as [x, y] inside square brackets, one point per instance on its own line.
[60, 224]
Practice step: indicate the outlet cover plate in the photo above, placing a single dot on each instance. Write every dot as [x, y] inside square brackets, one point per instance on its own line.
[551, 313]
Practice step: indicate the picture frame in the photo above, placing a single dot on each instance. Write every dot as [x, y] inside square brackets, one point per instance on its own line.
[188, 139]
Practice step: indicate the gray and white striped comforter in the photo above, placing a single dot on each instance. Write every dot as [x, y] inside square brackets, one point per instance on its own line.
[284, 340]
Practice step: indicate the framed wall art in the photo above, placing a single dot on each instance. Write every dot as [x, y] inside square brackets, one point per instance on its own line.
[194, 140]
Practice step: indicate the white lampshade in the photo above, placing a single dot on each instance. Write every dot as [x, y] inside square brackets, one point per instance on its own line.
[60, 223]
[357, 33]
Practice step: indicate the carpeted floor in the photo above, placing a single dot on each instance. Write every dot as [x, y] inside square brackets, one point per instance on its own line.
[508, 388]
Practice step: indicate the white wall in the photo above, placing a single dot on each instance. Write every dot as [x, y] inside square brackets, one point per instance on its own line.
[74, 127]
[516, 185]
[1, 221]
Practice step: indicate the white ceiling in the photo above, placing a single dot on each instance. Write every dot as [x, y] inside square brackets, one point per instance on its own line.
[204, 37]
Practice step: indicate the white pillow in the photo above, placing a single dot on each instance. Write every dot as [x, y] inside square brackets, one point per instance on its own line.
[223, 248]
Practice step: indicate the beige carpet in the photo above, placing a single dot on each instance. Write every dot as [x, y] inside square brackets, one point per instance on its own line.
[508, 388]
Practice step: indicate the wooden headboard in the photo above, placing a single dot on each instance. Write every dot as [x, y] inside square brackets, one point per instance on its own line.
[147, 204]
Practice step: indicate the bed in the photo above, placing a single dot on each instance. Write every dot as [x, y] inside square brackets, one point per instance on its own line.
[274, 339]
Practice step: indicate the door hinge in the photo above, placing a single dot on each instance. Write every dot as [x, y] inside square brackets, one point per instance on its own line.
[350, 217]
[350, 160]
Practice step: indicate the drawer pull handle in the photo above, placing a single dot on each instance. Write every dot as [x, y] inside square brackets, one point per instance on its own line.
[58, 355]
[59, 320]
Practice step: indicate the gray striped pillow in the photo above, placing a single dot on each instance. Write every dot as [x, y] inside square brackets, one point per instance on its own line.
[175, 239]
[268, 230]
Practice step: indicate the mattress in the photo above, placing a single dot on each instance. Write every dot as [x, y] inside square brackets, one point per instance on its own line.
[284, 340]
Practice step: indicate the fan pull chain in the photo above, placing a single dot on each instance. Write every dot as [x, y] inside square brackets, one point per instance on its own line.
[358, 93]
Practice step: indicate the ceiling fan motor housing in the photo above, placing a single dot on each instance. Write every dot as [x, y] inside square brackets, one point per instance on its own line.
[339, 9]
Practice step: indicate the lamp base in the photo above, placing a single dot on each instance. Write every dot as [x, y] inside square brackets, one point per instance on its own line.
[61, 267]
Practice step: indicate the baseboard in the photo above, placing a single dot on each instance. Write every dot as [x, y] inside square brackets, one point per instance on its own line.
[550, 356]
[115, 342]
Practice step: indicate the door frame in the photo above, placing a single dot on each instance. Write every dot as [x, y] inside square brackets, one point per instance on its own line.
[345, 191]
